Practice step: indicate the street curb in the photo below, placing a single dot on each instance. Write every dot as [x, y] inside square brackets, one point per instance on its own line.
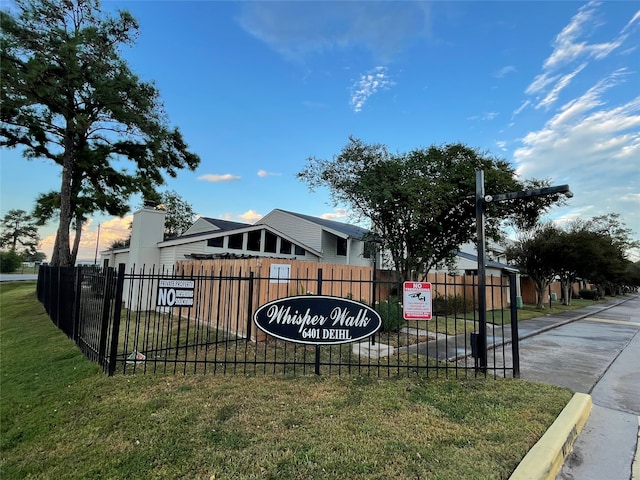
[635, 468]
[547, 456]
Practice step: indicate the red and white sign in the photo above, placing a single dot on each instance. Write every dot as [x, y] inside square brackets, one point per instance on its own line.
[416, 303]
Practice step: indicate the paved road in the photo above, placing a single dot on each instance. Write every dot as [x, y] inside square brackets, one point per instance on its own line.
[16, 277]
[596, 354]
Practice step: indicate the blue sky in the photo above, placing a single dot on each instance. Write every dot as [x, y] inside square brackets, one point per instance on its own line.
[258, 87]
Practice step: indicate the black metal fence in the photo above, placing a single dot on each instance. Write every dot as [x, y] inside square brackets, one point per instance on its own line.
[127, 323]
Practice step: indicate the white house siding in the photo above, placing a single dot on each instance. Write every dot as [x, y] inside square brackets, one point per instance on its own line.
[180, 252]
[114, 258]
[329, 250]
[357, 255]
[167, 258]
[302, 230]
[121, 258]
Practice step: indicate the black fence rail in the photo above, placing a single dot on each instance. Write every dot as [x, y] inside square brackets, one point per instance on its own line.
[202, 322]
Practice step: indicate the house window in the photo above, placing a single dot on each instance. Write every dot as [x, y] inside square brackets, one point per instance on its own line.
[270, 242]
[341, 249]
[216, 242]
[235, 241]
[253, 240]
[368, 250]
[285, 246]
[300, 251]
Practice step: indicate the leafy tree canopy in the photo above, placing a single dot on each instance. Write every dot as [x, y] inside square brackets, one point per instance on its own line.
[594, 249]
[69, 97]
[180, 214]
[535, 255]
[18, 231]
[422, 203]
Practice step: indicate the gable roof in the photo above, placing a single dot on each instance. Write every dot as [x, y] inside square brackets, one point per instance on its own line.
[225, 225]
[489, 263]
[345, 229]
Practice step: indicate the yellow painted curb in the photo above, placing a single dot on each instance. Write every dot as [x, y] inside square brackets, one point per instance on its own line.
[546, 457]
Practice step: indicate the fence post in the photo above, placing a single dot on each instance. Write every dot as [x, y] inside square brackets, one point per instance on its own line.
[104, 327]
[57, 296]
[515, 345]
[317, 359]
[250, 306]
[76, 311]
[115, 332]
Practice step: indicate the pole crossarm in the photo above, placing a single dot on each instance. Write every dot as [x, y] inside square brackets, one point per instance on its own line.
[482, 199]
[536, 192]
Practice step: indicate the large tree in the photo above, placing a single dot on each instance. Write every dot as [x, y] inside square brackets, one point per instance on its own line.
[422, 203]
[594, 249]
[180, 214]
[534, 253]
[68, 96]
[18, 230]
[611, 242]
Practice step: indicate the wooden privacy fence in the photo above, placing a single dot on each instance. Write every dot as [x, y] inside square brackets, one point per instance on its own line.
[266, 279]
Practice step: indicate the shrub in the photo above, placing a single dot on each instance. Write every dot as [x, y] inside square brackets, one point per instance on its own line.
[391, 313]
[452, 304]
[9, 261]
[590, 294]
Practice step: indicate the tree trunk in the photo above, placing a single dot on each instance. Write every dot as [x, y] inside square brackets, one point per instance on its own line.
[76, 240]
[566, 290]
[61, 250]
[540, 291]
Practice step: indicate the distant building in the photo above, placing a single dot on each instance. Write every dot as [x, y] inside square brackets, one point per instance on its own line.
[279, 234]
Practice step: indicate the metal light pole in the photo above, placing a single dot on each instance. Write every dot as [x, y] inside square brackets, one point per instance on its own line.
[481, 347]
[481, 200]
[95, 259]
[374, 241]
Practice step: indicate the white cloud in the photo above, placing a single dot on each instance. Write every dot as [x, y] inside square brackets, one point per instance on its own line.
[564, 81]
[251, 216]
[264, 173]
[368, 84]
[592, 139]
[524, 105]
[486, 116]
[570, 47]
[298, 29]
[338, 213]
[504, 71]
[217, 178]
[594, 149]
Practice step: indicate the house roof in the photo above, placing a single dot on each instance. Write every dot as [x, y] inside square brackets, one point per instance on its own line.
[225, 225]
[489, 263]
[346, 229]
[240, 228]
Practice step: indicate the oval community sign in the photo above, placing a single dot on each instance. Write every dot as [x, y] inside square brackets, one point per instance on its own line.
[317, 319]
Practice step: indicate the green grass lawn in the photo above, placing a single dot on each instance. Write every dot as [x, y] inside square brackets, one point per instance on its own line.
[61, 418]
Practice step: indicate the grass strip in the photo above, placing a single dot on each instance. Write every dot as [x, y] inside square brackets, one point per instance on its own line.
[60, 417]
